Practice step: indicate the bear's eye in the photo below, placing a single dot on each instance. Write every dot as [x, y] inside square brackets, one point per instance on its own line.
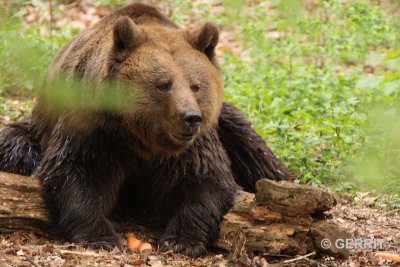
[164, 86]
[195, 88]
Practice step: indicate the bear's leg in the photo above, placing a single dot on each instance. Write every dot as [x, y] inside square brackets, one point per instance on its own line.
[195, 226]
[250, 157]
[80, 178]
[205, 189]
[19, 151]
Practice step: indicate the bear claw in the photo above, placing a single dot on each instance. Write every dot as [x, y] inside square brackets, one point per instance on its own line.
[183, 246]
[103, 243]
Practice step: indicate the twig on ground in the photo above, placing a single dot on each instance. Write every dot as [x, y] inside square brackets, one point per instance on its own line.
[300, 258]
[28, 258]
[276, 255]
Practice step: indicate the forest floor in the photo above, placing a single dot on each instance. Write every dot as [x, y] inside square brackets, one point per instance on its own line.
[362, 220]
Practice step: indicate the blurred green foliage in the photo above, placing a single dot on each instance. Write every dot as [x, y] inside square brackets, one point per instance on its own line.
[63, 93]
[320, 81]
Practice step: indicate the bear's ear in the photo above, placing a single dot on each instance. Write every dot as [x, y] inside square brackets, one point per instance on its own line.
[126, 36]
[205, 39]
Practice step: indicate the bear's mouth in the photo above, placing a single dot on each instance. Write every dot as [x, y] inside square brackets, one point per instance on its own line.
[185, 137]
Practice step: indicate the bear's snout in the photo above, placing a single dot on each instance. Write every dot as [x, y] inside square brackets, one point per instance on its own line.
[192, 119]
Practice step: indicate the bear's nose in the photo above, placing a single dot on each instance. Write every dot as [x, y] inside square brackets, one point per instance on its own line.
[192, 119]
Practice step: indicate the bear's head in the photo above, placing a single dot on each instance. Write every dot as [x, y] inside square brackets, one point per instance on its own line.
[173, 78]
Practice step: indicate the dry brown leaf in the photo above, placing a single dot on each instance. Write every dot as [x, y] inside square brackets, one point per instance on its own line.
[388, 256]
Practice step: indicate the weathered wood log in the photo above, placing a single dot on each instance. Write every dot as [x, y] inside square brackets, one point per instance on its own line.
[21, 204]
[281, 218]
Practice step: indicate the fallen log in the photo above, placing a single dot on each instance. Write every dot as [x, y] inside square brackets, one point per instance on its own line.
[21, 204]
[280, 219]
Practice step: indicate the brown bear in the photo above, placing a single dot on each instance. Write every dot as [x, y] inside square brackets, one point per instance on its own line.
[174, 149]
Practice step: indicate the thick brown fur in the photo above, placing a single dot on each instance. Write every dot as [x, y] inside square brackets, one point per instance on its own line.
[250, 157]
[173, 149]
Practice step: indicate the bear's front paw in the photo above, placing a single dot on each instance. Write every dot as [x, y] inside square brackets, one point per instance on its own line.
[102, 242]
[183, 245]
